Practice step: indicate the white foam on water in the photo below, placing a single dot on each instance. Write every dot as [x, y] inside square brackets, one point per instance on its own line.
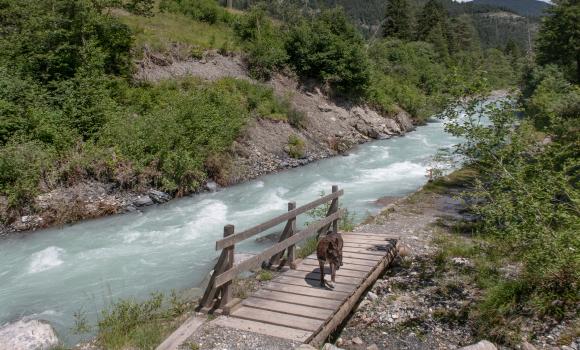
[259, 184]
[394, 172]
[422, 138]
[131, 237]
[45, 259]
[212, 216]
[35, 316]
[147, 263]
[271, 201]
[386, 154]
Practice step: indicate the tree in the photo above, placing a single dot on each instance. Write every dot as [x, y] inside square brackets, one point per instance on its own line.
[330, 49]
[463, 36]
[433, 14]
[436, 36]
[397, 23]
[559, 38]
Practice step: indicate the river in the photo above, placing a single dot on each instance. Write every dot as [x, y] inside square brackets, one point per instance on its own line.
[54, 273]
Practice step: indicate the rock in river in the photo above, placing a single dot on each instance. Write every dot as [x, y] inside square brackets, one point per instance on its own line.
[143, 201]
[158, 197]
[27, 335]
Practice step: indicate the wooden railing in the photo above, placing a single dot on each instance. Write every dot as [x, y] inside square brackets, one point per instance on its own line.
[218, 294]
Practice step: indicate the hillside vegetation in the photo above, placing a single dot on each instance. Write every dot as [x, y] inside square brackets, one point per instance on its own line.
[496, 22]
[526, 196]
[72, 112]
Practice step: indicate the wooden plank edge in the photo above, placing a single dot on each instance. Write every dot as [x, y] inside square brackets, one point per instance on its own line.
[181, 334]
[262, 328]
[336, 297]
[265, 297]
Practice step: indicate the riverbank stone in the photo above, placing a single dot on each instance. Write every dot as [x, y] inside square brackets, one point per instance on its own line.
[28, 335]
[482, 345]
[158, 197]
[143, 201]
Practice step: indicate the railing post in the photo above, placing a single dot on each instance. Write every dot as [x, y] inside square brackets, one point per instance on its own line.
[289, 230]
[331, 210]
[229, 263]
[334, 209]
[292, 230]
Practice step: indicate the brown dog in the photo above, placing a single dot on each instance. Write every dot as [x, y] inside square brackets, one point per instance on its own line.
[329, 250]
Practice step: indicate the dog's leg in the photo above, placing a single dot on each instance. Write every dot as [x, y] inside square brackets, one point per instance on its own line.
[321, 264]
[333, 272]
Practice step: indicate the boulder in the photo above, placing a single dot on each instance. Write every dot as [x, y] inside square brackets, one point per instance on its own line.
[27, 335]
[372, 296]
[305, 347]
[527, 346]
[404, 120]
[482, 345]
[158, 196]
[211, 186]
[391, 126]
[143, 201]
[329, 346]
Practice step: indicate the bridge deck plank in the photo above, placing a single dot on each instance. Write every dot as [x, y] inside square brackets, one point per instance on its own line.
[364, 240]
[314, 283]
[352, 267]
[277, 318]
[311, 276]
[342, 272]
[291, 309]
[362, 251]
[297, 299]
[379, 247]
[263, 328]
[309, 291]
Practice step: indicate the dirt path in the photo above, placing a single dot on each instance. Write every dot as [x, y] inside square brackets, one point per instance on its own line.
[416, 305]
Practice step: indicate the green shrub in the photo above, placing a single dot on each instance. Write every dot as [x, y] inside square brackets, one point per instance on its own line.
[296, 118]
[141, 324]
[527, 199]
[265, 275]
[296, 146]
[21, 168]
[263, 43]
[307, 247]
[202, 10]
[330, 49]
[552, 101]
[49, 40]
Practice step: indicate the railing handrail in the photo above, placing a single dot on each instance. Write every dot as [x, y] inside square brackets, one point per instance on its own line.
[238, 237]
[228, 275]
[220, 284]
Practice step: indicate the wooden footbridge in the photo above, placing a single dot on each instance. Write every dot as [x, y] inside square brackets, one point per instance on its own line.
[293, 305]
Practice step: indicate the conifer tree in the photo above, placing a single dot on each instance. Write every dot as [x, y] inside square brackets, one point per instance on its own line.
[463, 35]
[559, 37]
[397, 23]
[433, 14]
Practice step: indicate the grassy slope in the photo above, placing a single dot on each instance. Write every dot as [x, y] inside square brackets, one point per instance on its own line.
[161, 31]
